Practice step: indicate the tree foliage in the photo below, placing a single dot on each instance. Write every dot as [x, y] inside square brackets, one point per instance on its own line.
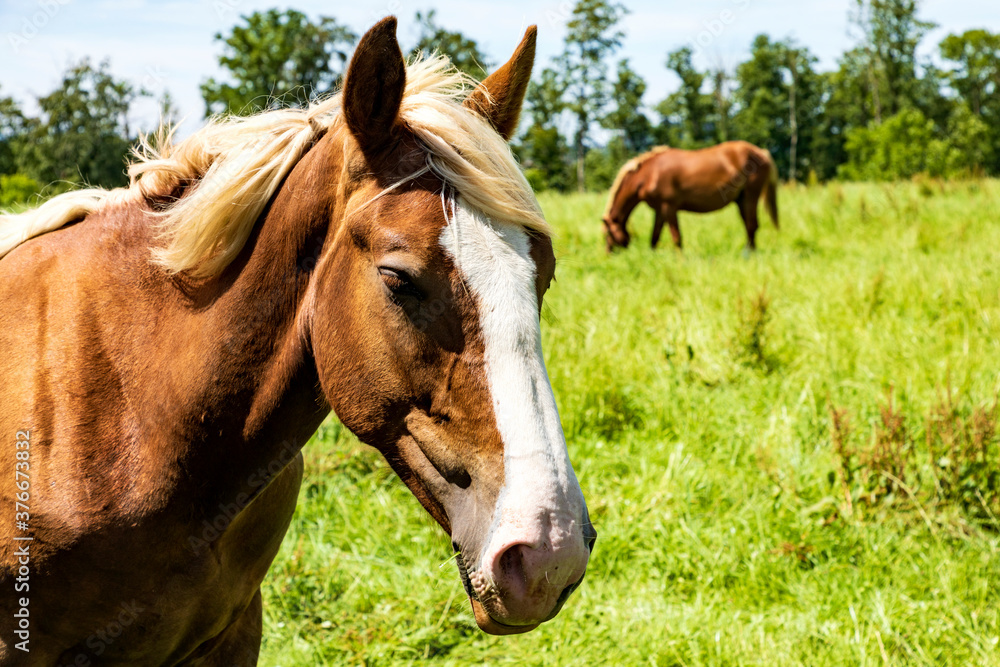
[16, 189]
[778, 97]
[908, 144]
[891, 33]
[277, 58]
[813, 123]
[627, 117]
[592, 37]
[976, 76]
[12, 129]
[687, 112]
[542, 149]
[881, 114]
[83, 133]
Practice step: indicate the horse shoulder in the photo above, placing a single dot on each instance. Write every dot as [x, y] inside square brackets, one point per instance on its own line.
[660, 177]
[63, 323]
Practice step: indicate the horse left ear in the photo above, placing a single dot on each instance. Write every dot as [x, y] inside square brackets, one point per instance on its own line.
[373, 87]
[499, 97]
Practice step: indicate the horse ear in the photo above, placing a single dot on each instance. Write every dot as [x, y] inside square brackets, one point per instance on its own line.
[499, 97]
[373, 87]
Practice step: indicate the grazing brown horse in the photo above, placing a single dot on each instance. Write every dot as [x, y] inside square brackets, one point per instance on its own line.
[702, 181]
[169, 348]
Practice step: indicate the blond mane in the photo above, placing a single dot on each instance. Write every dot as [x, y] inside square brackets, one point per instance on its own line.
[627, 169]
[232, 167]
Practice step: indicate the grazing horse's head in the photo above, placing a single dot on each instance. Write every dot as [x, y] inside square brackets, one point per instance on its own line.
[615, 233]
[425, 326]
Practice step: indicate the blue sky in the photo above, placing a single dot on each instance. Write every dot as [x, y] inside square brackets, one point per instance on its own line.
[169, 44]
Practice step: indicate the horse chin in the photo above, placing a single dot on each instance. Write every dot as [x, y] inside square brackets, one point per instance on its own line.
[491, 626]
[486, 623]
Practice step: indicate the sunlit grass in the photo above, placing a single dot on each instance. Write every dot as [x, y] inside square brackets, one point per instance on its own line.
[699, 425]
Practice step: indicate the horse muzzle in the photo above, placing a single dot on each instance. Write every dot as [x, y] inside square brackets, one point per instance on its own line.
[521, 583]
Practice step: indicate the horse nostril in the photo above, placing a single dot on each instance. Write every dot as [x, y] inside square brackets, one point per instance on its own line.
[512, 572]
[590, 543]
[511, 562]
[462, 480]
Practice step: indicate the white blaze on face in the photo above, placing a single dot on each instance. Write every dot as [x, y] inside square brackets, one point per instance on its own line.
[540, 504]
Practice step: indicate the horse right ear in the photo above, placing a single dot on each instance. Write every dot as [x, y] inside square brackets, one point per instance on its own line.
[373, 87]
[499, 97]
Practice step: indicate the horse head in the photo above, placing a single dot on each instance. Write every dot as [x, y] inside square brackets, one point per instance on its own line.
[615, 233]
[425, 330]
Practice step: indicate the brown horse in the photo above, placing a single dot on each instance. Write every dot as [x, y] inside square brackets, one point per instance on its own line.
[702, 181]
[378, 254]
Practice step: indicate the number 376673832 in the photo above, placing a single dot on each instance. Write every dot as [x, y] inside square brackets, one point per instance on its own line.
[22, 479]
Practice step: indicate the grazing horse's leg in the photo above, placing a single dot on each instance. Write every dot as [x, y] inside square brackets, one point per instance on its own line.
[237, 645]
[667, 214]
[675, 228]
[657, 228]
[747, 201]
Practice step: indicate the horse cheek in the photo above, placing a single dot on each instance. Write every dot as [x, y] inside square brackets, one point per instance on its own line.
[354, 359]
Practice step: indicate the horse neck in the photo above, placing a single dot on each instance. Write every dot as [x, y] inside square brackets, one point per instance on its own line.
[625, 198]
[265, 382]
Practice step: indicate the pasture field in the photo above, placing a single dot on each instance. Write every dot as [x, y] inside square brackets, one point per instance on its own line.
[790, 459]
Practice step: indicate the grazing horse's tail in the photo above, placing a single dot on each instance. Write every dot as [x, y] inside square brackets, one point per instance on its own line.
[771, 189]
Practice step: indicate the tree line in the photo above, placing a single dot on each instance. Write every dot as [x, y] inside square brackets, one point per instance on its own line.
[883, 113]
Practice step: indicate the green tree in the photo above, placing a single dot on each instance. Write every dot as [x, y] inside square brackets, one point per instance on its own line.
[896, 148]
[847, 103]
[975, 55]
[779, 98]
[762, 96]
[277, 58]
[805, 93]
[16, 189]
[627, 117]
[929, 94]
[687, 112]
[544, 100]
[83, 134]
[891, 33]
[722, 116]
[13, 126]
[463, 52]
[542, 150]
[976, 76]
[971, 148]
[909, 143]
[603, 164]
[592, 37]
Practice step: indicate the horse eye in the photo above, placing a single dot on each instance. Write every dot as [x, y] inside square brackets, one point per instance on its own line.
[400, 284]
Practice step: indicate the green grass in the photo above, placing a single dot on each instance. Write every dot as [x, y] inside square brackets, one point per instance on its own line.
[696, 393]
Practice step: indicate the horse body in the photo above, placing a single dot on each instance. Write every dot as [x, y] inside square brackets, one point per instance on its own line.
[166, 412]
[671, 180]
[155, 426]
